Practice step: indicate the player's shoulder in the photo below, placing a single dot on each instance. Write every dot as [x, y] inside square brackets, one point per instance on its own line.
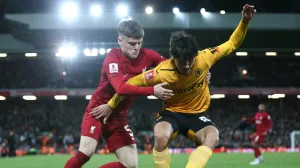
[113, 55]
[166, 65]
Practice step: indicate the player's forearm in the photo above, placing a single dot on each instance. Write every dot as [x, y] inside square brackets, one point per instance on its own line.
[115, 100]
[238, 35]
[131, 90]
[251, 120]
[131, 86]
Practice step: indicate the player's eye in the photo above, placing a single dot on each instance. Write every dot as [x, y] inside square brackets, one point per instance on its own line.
[133, 43]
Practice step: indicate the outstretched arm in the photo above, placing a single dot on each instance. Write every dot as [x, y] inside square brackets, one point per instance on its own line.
[212, 55]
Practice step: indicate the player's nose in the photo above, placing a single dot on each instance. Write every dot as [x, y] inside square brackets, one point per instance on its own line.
[187, 66]
[136, 47]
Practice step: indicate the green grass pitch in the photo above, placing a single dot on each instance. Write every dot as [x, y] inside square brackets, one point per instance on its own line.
[272, 160]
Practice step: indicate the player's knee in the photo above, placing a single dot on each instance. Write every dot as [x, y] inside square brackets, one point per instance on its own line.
[87, 150]
[161, 141]
[87, 146]
[129, 161]
[255, 145]
[131, 164]
[211, 140]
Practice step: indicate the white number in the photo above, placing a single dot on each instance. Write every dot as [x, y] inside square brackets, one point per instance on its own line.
[204, 119]
[126, 127]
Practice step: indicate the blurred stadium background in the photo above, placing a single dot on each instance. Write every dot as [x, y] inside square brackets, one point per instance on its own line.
[51, 53]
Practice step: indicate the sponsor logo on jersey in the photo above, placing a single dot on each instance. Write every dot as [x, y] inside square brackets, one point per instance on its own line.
[191, 88]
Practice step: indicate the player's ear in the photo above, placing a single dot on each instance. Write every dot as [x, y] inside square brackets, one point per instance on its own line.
[119, 40]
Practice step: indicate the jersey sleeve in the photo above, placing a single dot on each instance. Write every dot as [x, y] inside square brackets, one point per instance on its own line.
[148, 78]
[251, 120]
[212, 55]
[114, 72]
[112, 67]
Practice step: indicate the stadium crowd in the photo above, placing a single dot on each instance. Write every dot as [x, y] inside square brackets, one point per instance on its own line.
[56, 124]
[55, 73]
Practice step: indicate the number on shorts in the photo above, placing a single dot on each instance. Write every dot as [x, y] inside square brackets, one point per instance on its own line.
[204, 119]
[126, 127]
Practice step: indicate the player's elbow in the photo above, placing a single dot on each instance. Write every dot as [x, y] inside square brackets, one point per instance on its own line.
[234, 44]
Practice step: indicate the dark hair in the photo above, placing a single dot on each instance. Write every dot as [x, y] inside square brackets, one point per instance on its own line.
[131, 28]
[183, 46]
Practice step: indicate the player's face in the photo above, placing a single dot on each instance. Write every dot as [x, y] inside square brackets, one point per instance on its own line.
[130, 47]
[261, 107]
[184, 66]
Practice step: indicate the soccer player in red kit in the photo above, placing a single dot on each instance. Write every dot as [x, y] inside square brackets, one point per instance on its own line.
[263, 124]
[119, 65]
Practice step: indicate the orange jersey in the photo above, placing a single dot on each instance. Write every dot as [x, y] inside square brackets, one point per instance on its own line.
[191, 92]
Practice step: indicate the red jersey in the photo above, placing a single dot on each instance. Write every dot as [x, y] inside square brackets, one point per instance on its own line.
[262, 121]
[116, 70]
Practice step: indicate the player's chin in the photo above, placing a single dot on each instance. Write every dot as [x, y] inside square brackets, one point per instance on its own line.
[185, 72]
[134, 56]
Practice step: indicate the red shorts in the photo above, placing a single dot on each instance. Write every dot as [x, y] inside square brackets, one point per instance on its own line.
[258, 138]
[116, 134]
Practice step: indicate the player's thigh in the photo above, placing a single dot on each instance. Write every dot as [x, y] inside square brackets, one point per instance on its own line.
[166, 128]
[118, 136]
[91, 130]
[203, 131]
[128, 156]
[207, 136]
[258, 139]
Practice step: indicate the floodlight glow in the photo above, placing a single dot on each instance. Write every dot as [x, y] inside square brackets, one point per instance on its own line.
[3, 55]
[243, 96]
[30, 54]
[122, 10]
[67, 51]
[202, 11]
[60, 97]
[86, 52]
[217, 96]
[276, 96]
[151, 97]
[176, 10]
[102, 51]
[2, 98]
[88, 97]
[69, 11]
[94, 52]
[95, 10]
[149, 10]
[108, 50]
[222, 12]
[29, 97]
[241, 53]
[271, 53]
